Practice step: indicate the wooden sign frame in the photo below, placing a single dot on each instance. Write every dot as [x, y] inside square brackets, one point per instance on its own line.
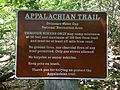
[61, 45]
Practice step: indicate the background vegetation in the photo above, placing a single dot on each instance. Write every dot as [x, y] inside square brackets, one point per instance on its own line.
[8, 18]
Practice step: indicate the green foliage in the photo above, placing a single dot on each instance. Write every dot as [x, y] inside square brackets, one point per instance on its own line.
[8, 18]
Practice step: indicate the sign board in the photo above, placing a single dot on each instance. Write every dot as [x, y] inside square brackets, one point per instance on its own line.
[61, 45]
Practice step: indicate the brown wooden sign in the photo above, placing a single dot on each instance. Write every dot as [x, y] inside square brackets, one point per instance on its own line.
[61, 45]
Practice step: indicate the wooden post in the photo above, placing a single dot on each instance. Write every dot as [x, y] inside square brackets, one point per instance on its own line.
[60, 85]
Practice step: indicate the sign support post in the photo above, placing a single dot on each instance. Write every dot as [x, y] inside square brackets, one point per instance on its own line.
[60, 85]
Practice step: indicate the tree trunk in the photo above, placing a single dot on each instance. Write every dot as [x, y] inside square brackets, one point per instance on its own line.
[60, 85]
[116, 65]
